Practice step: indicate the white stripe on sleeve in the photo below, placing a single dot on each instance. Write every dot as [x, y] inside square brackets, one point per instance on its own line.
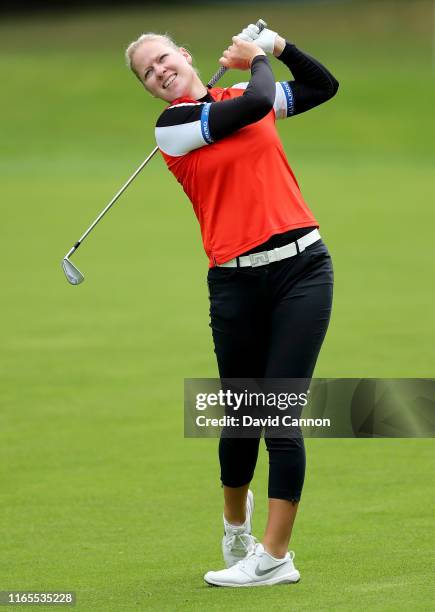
[283, 105]
[179, 139]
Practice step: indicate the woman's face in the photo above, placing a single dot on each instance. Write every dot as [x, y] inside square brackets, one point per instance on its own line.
[165, 72]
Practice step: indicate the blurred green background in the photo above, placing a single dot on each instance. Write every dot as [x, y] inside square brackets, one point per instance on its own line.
[101, 493]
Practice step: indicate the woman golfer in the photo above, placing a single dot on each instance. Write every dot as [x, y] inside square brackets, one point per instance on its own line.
[270, 277]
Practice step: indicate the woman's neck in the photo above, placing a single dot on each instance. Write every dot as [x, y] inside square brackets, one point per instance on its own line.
[198, 89]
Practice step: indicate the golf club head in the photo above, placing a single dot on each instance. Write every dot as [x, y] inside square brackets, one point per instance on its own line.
[73, 274]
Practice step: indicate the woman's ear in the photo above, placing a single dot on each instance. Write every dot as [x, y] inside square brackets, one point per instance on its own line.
[186, 54]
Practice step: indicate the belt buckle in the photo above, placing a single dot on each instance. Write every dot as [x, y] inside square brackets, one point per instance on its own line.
[259, 259]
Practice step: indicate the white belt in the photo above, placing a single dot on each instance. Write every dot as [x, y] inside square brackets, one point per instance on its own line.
[266, 257]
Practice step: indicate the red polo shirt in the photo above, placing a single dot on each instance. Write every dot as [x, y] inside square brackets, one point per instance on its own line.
[241, 187]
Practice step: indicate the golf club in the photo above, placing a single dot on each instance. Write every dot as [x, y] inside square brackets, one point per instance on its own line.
[72, 273]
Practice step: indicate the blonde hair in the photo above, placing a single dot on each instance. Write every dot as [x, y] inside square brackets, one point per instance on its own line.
[132, 48]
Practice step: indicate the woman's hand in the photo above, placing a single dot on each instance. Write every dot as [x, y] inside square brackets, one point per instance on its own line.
[240, 54]
[266, 39]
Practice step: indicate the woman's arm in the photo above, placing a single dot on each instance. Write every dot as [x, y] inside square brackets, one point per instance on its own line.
[231, 115]
[190, 125]
[313, 83]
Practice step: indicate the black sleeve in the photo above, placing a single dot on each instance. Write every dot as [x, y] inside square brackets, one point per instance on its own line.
[313, 83]
[230, 115]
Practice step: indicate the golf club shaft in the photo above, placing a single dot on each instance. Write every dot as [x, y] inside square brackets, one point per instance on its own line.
[218, 75]
[112, 202]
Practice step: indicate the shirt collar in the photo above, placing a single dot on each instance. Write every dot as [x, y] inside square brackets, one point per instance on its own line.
[207, 98]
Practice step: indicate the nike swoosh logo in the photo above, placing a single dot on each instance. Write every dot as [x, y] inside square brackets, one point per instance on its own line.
[259, 572]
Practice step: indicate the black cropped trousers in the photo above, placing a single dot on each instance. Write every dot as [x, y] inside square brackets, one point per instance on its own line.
[270, 322]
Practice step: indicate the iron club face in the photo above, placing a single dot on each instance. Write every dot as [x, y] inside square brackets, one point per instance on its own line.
[73, 274]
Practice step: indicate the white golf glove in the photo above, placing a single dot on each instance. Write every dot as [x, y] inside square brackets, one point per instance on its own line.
[265, 40]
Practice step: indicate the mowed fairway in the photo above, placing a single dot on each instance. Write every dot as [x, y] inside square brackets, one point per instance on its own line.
[100, 493]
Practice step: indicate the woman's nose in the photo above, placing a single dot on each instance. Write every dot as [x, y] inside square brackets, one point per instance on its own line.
[160, 70]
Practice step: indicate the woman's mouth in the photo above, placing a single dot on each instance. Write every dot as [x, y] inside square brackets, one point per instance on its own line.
[169, 81]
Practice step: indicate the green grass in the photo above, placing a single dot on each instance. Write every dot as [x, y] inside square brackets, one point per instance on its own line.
[100, 492]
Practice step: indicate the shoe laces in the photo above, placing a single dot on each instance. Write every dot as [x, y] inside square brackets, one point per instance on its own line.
[244, 541]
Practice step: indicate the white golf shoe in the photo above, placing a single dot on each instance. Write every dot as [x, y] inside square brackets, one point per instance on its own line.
[239, 541]
[258, 568]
